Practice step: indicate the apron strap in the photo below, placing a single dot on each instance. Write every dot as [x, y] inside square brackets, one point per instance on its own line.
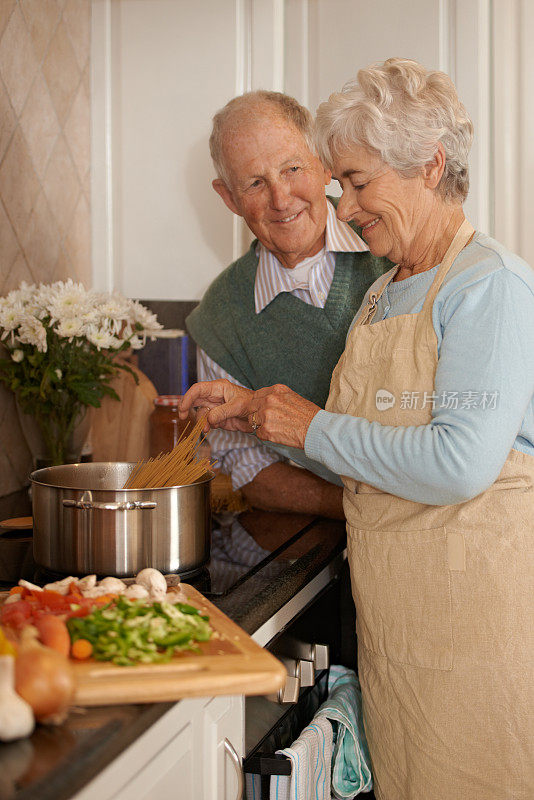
[461, 238]
[368, 311]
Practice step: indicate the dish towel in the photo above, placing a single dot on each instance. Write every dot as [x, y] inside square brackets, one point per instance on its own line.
[311, 765]
[351, 773]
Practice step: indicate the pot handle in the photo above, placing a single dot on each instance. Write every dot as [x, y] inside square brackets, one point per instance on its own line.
[129, 505]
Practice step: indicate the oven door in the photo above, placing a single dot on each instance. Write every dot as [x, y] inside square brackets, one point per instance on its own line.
[323, 632]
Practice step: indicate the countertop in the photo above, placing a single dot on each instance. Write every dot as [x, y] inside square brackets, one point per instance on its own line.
[55, 763]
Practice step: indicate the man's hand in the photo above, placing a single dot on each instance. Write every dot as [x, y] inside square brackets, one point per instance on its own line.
[276, 413]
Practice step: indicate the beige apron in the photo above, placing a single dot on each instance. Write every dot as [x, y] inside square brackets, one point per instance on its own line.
[444, 595]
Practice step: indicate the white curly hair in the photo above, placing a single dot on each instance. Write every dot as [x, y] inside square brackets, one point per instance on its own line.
[401, 111]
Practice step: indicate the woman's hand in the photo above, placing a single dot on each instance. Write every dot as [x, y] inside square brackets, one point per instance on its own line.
[276, 413]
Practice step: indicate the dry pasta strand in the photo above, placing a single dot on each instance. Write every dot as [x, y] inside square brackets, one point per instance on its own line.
[179, 467]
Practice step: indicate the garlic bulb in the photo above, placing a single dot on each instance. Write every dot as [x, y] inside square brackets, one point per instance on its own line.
[16, 715]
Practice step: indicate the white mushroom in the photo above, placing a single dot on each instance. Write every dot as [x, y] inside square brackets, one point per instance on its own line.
[135, 592]
[89, 582]
[153, 581]
[31, 586]
[112, 585]
[96, 591]
[62, 586]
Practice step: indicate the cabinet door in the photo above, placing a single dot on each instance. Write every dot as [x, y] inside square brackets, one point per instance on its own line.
[175, 772]
[223, 730]
[181, 757]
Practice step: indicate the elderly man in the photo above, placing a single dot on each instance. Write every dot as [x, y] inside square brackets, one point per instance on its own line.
[280, 313]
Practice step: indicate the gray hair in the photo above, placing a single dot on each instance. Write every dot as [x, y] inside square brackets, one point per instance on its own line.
[250, 106]
[401, 111]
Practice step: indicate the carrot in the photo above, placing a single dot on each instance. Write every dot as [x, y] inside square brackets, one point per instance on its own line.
[53, 633]
[16, 590]
[104, 599]
[81, 648]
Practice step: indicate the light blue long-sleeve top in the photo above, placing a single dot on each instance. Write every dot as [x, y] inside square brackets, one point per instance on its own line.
[483, 317]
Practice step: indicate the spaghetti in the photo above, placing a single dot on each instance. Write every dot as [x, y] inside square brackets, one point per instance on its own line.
[179, 467]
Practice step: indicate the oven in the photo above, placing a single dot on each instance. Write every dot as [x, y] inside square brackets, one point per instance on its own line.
[314, 630]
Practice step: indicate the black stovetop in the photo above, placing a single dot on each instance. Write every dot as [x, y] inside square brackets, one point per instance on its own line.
[235, 558]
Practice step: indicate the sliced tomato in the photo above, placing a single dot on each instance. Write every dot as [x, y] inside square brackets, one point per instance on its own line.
[53, 601]
[32, 605]
[16, 615]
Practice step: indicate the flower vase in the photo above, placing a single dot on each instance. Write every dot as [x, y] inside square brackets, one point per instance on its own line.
[74, 447]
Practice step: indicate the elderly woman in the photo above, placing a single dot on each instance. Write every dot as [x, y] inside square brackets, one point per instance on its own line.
[430, 422]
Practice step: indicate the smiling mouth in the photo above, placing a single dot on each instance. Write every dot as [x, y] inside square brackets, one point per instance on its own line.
[286, 220]
[371, 224]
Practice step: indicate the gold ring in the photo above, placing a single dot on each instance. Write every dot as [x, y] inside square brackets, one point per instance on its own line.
[254, 423]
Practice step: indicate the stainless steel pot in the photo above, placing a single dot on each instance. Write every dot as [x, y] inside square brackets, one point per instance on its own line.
[84, 522]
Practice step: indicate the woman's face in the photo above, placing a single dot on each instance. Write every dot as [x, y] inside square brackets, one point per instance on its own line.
[389, 208]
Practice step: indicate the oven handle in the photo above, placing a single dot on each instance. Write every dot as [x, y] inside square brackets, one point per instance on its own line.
[231, 751]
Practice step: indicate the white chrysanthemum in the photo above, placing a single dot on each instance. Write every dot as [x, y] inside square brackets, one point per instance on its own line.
[59, 374]
[83, 317]
[10, 318]
[69, 328]
[43, 295]
[32, 331]
[101, 338]
[36, 309]
[69, 300]
[17, 355]
[114, 307]
[90, 317]
[23, 294]
[136, 343]
[140, 314]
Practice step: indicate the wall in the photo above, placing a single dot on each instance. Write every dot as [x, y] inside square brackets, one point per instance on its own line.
[513, 102]
[159, 230]
[44, 166]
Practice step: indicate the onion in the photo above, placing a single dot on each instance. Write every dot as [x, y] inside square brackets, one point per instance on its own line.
[44, 678]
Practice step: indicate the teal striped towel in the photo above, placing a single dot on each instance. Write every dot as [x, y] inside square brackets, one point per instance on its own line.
[311, 759]
[351, 770]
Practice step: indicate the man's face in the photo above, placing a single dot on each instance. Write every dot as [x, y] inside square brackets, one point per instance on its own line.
[276, 185]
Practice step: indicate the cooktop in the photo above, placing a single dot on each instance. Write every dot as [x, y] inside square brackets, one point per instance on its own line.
[236, 555]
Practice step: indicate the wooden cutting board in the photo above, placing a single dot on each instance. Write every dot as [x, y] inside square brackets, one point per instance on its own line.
[230, 663]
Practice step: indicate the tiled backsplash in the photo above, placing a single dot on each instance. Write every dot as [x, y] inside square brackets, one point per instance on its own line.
[45, 166]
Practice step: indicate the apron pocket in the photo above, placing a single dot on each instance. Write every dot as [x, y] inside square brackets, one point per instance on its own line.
[401, 588]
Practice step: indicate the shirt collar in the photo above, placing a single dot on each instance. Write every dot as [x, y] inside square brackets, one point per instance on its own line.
[271, 276]
[340, 236]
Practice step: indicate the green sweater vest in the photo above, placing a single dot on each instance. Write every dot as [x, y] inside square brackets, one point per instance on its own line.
[289, 341]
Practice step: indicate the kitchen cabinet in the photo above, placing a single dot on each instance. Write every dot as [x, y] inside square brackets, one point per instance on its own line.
[187, 753]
